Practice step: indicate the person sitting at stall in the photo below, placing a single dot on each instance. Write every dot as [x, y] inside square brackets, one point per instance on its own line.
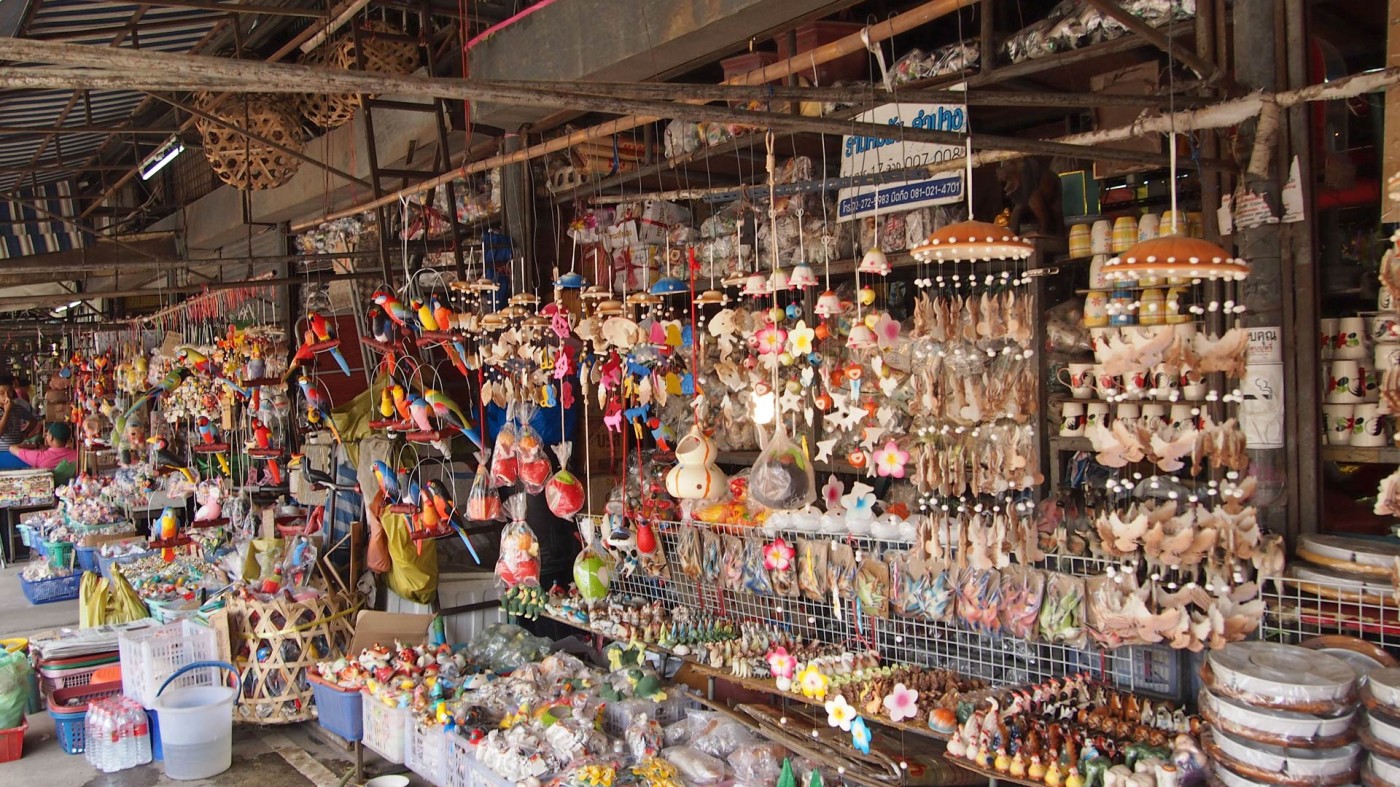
[16, 423]
[134, 449]
[56, 450]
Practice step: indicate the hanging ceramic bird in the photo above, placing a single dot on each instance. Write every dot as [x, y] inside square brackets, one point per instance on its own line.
[325, 332]
[396, 310]
[447, 509]
[425, 316]
[318, 405]
[169, 528]
[388, 482]
[168, 383]
[448, 411]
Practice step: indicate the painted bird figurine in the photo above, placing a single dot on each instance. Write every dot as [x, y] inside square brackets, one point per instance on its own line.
[447, 411]
[396, 311]
[388, 482]
[425, 316]
[318, 407]
[401, 403]
[168, 383]
[325, 332]
[208, 435]
[262, 439]
[442, 501]
[169, 527]
[446, 319]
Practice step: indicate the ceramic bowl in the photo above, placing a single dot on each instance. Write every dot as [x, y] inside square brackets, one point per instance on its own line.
[1384, 685]
[1386, 770]
[1296, 763]
[1289, 724]
[1281, 674]
[1383, 730]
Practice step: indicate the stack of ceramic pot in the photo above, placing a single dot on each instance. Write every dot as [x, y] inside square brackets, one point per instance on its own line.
[1279, 714]
[1357, 351]
[1380, 727]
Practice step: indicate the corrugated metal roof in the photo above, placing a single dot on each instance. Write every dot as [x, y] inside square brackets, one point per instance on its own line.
[96, 23]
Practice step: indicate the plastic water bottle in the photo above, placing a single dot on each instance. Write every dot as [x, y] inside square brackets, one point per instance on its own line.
[142, 733]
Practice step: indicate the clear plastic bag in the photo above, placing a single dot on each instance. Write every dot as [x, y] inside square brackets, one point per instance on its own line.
[519, 563]
[505, 470]
[1062, 611]
[483, 504]
[16, 685]
[530, 455]
[757, 764]
[783, 477]
[592, 573]
[564, 494]
[696, 766]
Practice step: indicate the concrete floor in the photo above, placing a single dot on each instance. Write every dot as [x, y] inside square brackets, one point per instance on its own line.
[288, 756]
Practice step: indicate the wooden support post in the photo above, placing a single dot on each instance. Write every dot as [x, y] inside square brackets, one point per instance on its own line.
[1390, 162]
[1205, 69]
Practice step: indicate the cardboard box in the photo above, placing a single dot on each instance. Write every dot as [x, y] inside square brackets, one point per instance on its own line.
[97, 541]
[387, 628]
[57, 412]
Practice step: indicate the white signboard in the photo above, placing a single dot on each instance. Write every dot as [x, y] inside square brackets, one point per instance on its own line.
[868, 155]
[1261, 412]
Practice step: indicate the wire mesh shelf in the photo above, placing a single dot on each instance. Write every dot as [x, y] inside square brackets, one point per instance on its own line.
[1299, 609]
[998, 658]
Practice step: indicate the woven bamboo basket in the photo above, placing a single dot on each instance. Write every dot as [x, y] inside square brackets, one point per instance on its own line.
[382, 56]
[327, 110]
[275, 641]
[238, 159]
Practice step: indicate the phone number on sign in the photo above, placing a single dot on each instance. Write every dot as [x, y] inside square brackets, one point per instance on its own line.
[894, 196]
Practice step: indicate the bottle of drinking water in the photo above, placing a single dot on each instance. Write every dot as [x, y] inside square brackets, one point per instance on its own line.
[141, 730]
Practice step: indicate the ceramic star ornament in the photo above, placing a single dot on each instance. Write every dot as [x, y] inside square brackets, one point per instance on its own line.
[789, 401]
[825, 447]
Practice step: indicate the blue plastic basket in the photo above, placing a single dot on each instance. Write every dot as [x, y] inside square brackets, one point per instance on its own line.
[338, 710]
[70, 726]
[156, 753]
[26, 535]
[87, 558]
[47, 591]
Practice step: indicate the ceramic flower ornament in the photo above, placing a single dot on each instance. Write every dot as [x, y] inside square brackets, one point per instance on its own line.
[902, 703]
[778, 555]
[839, 713]
[799, 339]
[860, 735]
[832, 491]
[812, 682]
[859, 502]
[783, 666]
[890, 460]
[771, 339]
[886, 331]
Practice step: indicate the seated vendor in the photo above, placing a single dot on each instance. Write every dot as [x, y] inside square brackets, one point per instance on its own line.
[134, 448]
[17, 422]
[56, 450]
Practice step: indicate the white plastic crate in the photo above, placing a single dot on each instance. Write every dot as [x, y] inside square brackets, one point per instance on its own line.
[464, 770]
[387, 730]
[425, 752]
[150, 654]
[617, 715]
[454, 590]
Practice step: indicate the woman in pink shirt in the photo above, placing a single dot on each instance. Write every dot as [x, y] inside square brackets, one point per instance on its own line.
[55, 451]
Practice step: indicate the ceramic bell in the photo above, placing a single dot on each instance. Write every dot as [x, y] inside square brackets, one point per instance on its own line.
[828, 304]
[695, 476]
[802, 276]
[875, 262]
[778, 281]
[756, 284]
[861, 338]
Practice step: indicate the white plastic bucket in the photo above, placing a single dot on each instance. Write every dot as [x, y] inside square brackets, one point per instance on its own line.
[196, 728]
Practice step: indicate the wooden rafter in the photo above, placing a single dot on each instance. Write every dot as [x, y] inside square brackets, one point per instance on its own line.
[1205, 69]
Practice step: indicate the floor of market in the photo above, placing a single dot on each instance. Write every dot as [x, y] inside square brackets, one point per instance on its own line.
[298, 754]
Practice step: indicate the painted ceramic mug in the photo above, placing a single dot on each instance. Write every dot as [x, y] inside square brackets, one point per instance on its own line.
[1337, 423]
[1096, 414]
[1368, 426]
[1346, 383]
[1183, 419]
[1078, 378]
[1072, 419]
[1166, 383]
[1327, 337]
[1351, 339]
[1129, 414]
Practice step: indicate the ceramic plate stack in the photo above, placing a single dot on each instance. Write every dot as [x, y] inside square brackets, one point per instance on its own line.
[1346, 569]
[1380, 728]
[1280, 714]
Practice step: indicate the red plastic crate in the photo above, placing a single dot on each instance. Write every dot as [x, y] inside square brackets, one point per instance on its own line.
[12, 742]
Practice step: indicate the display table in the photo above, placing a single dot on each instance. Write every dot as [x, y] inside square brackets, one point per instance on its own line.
[22, 491]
